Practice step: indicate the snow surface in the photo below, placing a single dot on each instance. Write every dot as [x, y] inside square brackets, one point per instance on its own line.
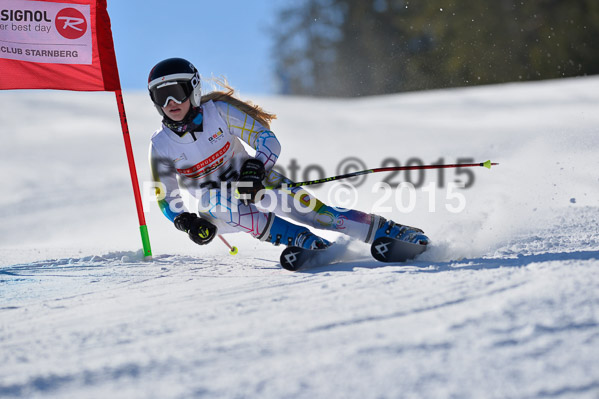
[504, 304]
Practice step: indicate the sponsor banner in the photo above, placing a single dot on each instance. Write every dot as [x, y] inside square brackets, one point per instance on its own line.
[57, 44]
[45, 32]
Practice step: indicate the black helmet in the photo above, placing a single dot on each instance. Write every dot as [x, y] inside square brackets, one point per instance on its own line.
[174, 79]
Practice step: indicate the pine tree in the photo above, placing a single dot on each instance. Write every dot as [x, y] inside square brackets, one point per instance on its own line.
[366, 47]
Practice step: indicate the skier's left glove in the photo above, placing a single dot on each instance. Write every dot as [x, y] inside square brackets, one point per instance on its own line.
[199, 230]
[251, 175]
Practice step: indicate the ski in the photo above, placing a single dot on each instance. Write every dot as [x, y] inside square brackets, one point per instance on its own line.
[387, 249]
[294, 258]
[383, 249]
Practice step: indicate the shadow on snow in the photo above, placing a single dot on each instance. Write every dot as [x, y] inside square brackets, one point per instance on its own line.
[463, 264]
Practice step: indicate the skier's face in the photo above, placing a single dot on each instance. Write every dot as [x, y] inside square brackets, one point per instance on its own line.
[176, 111]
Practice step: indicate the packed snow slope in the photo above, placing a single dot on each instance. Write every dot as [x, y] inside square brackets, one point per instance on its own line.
[504, 304]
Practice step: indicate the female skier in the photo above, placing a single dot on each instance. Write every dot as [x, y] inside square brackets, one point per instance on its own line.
[199, 148]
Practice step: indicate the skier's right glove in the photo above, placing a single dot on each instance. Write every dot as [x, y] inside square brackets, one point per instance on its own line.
[199, 230]
[251, 175]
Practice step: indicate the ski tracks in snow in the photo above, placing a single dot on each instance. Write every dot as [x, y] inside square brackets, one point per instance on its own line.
[186, 326]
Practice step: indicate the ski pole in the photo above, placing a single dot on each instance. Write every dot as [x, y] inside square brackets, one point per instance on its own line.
[486, 164]
[233, 249]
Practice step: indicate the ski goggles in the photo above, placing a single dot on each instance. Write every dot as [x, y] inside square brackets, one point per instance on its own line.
[177, 91]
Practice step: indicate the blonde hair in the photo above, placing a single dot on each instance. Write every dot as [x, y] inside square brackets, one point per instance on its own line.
[228, 96]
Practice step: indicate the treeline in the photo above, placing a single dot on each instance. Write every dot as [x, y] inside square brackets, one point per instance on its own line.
[366, 47]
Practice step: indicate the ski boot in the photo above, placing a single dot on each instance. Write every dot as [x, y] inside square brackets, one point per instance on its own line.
[303, 247]
[283, 232]
[388, 228]
[309, 240]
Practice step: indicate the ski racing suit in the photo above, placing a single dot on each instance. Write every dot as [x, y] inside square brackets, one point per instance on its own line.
[204, 163]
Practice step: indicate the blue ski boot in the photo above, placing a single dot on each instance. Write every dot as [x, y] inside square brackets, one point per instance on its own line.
[309, 240]
[388, 228]
[303, 247]
[283, 232]
[392, 242]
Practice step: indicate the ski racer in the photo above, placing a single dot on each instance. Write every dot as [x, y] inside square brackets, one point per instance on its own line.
[201, 148]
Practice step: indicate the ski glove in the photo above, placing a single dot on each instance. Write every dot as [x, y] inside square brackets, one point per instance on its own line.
[251, 174]
[199, 230]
